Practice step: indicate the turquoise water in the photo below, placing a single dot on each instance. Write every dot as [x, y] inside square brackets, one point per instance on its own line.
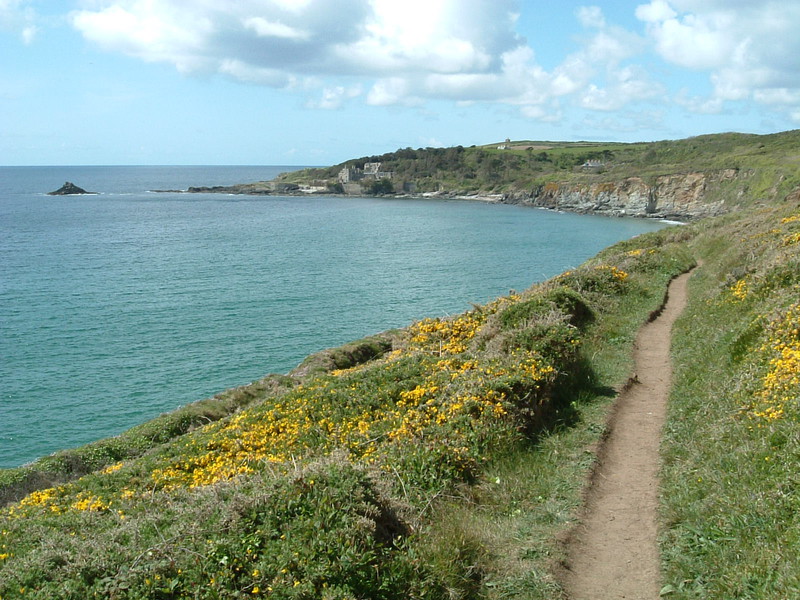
[117, 307]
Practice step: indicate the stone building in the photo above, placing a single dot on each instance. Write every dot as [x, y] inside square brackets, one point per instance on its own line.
[371, 170]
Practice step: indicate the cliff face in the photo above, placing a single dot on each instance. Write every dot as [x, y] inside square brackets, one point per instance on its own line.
[678, 196]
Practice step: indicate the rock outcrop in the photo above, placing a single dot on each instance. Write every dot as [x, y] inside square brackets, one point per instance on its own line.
[69, 189]
[677, 196]
[252, 189]
[258, 188]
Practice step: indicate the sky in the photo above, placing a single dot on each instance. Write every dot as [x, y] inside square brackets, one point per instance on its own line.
[316, 82]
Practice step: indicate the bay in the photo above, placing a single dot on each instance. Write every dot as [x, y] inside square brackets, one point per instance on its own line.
[120, 306]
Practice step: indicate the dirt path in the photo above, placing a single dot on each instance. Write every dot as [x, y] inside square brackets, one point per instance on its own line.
[614, 553]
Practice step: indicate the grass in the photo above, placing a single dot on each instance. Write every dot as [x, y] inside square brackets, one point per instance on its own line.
[731, 508]
[446, 467]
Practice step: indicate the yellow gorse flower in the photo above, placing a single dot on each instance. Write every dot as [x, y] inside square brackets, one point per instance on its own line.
[779, 393]
[89, 502]
[327, 414]
[791, 239]
[616, 272]
[739, 289]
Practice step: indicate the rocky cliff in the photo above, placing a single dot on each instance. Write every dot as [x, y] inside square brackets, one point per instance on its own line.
[677, 196]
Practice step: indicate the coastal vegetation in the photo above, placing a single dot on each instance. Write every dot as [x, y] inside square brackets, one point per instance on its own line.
[449, 459]
[353, 482]
[770, 165]
[731, 503]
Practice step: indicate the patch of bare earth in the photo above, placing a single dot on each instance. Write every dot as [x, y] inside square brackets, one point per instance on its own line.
[613, 554]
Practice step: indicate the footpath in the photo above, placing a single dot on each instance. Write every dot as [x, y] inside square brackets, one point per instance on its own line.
[614, 554]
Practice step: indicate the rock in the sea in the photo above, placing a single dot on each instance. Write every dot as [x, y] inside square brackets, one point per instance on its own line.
[69, 189]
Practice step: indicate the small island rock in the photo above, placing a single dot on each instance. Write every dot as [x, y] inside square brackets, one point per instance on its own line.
[69, 189]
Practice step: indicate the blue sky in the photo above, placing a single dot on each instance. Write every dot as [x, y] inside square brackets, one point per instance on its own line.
[315, 82]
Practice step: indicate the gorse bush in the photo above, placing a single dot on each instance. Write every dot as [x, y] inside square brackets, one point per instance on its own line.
[776, 393]
[69, 464]
[562, 299]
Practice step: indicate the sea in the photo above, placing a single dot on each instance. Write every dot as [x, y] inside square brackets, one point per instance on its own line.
[120, 306]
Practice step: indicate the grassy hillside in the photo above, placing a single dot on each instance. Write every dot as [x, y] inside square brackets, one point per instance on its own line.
[771, 163]
[732, 453]
[447, 460]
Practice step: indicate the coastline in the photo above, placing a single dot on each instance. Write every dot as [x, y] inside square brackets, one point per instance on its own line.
[68, 464]
[269, 188]
[458, 439]
[139, 214]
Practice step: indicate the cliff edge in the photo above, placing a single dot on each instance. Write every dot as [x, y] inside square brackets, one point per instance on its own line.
[679, 196]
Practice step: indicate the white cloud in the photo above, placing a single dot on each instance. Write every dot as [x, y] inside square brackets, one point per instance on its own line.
[297, 6]
[597, 75]
[350, 37]
[625, 86]
[277, 29]
[750, 48]
[250, 74]
[295, 37]
[412, 50]
[335, 97]
[612, 46]
[591, 16]
[700, 105]
[432, 143]
[145, 30]
[696, 42]
[387, 91]
[779, 96]
[17, 16]
[655, 12]
[422, 35]
[9, 10]
[402, 53]
[545, 114]
[29, 33]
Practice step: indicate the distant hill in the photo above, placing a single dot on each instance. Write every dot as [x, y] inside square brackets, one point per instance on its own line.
[737, 169]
